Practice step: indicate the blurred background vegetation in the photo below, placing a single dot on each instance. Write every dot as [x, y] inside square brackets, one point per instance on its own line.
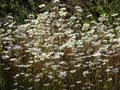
[20, 9]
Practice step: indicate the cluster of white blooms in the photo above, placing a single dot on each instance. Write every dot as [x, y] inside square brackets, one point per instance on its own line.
[56, 1]
[54, 47]
[42, 6]
[63, 12]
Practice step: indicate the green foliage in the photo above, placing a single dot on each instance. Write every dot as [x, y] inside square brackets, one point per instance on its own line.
[66, 47]
[98, 7]
[19, 8]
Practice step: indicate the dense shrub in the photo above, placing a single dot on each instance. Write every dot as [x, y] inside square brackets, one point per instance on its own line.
[19, 8]
[64, 48]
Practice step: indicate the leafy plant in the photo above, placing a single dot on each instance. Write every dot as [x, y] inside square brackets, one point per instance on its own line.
[64, 47]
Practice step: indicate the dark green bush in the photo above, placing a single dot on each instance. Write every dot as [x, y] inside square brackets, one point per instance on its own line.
[19, 8]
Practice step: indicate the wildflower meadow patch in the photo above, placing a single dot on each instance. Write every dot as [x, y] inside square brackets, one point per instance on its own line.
[61, 51]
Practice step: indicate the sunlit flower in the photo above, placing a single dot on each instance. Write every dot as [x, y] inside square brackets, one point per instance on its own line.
[97, 54]
[23, 66]
[62, 63]
[78, 8]
[72, 85]
[17, 75]
[39, 75]
[7, 68]
[27, 74]
[72, 71]
[5, 56]
[62, 13]
[50, 77]
[42, 6]
[56, 1]
[113, 15]
[85, 73]
[46, 84]
[15, 84]
[30, 88]
[55, 67]
[107, 70]
[77, 66]
[78, 82]
[62, 74]
[110, 79]
[85, 26]
[36, 80]
[13, 59]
